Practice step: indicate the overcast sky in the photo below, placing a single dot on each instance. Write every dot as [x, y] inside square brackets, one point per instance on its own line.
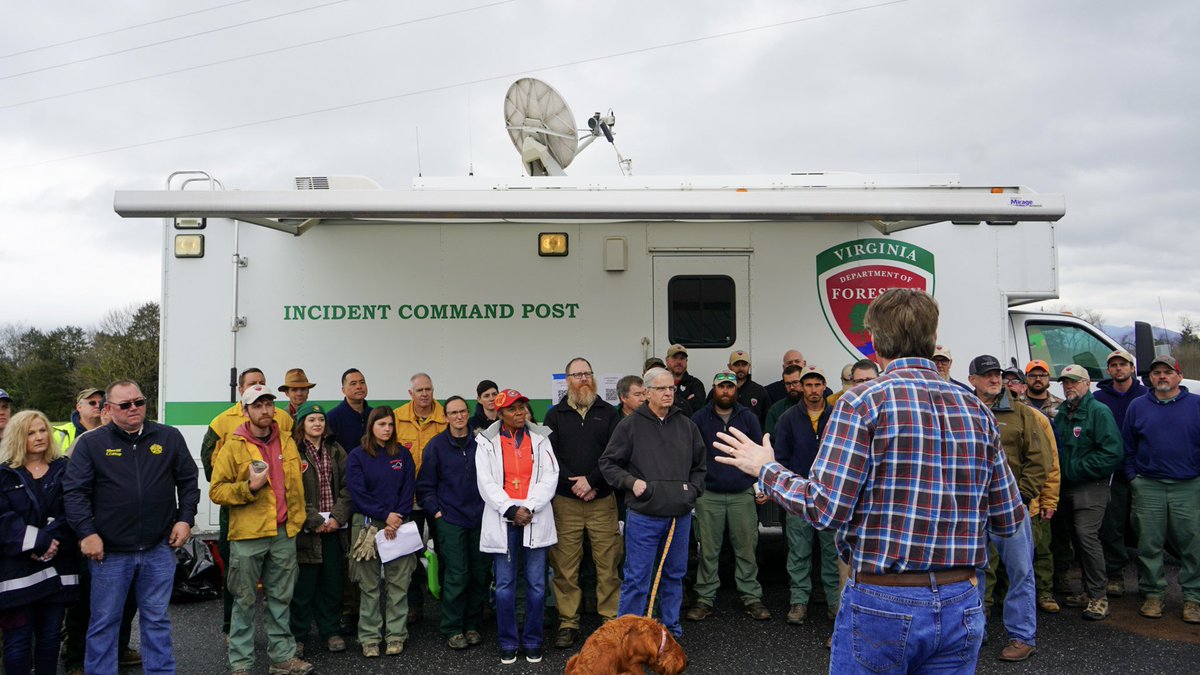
[1091, 98]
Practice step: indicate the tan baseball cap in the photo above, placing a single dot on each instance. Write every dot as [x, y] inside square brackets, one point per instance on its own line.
[812, 371]
[1121, 354]
[1074, 372]
[739, 355]
[88, 393]
[942, 351]
[676, 349]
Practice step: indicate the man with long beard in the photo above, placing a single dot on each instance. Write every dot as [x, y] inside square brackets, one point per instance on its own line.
[581, 424]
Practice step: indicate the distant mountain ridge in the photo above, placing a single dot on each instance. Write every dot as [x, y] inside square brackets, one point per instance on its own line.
[1124, 334]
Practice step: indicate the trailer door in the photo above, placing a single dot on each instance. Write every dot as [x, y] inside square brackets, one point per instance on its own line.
[703, 303]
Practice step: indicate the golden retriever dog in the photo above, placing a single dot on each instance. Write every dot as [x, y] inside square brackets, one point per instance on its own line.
[626, 644]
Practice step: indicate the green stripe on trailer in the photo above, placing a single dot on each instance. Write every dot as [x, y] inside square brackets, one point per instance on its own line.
[202, 413]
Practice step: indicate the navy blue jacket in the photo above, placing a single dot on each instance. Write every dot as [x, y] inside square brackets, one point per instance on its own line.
[1162, 438]
[124, 487]
[447, 481]
[1117, 402]
[795, 443]
[724, 478]
[346, 425]
[381, 484]
[29, 520]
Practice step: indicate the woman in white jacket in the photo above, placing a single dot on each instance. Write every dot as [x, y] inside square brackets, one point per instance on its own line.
[517, 475]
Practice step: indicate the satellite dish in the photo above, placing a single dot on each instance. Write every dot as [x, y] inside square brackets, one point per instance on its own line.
[541, 127]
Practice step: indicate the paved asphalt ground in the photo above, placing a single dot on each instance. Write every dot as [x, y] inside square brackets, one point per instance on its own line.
[733, 643]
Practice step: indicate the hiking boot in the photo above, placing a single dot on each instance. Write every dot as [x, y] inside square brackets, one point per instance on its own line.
[1115, 588]
[1077, 600]
[395, 647]
[236, 672]
[831, 612]
[1191, 611]
[757, 611]
[1097, 609]
[700, 611]
[299, 650]
[508, 657]
[1048, 604]
[1152, 608]
[292, 666]
[566, 638]
[370, 649]
[1017, 651]
[129, 657]
[458, 641]
[473, 638]
[1062, 584]
[336, 644]
[797, 614]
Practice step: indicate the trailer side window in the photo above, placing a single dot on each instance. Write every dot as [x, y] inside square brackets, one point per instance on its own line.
[1061, 344]
[701, 311]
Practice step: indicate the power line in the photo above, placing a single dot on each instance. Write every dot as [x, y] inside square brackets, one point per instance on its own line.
[465, 83]
[121, 30]
[170, 40]
[310, 43]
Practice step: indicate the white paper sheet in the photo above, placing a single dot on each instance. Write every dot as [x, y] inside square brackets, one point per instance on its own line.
[408, 540]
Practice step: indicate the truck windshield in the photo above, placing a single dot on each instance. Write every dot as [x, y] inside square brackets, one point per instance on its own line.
[1061, 344]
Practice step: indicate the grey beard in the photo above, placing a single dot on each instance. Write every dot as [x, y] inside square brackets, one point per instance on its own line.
[581, 398]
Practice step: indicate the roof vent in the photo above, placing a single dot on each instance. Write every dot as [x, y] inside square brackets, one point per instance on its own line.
[336, 183]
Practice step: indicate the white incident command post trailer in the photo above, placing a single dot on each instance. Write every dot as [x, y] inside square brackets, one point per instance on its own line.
[507, 279]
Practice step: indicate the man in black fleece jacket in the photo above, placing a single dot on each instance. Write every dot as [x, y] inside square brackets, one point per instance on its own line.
[658, 457]
[581, 425]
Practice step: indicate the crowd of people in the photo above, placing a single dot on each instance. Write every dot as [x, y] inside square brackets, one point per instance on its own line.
[328, 511]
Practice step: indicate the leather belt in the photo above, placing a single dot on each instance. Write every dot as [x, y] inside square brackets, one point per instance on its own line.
[925, 578]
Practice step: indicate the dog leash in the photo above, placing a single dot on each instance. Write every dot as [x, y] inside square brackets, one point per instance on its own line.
[658, 576]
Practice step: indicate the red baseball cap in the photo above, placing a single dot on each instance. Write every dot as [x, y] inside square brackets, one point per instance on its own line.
[509, 397]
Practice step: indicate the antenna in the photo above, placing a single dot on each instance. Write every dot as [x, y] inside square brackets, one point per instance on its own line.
[470, 138]
[418, 152]
[542, 128]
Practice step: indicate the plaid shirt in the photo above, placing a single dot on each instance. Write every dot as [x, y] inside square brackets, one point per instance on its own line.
[910, 472]
[322, 460]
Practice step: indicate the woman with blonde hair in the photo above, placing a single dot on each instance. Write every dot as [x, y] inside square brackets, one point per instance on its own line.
[39, 569]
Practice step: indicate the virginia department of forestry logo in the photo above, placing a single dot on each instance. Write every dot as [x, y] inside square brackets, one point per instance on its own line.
[851, 275]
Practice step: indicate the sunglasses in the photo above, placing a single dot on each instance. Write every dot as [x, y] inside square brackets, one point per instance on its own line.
[135, 403]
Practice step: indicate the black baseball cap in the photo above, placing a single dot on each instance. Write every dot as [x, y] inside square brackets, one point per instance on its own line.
[984, 364]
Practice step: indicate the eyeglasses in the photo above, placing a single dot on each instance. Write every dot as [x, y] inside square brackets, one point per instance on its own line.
[791, 384]
[95, 404]
[1035, 376]
[580, 376]
[725, 377]
[135, 403]
[661, 388]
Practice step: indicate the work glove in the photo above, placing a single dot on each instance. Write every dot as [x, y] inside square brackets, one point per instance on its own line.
[364, 546]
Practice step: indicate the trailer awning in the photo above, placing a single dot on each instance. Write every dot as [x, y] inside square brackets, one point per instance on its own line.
[889, 209]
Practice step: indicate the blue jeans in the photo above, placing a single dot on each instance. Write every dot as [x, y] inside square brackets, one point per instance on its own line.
[33, 648]
[151, 574]
[907, 629]
[1020, 603]
[644, 538]
[506, 593]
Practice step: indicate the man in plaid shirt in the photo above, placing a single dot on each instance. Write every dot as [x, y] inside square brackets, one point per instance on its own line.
[912, 476]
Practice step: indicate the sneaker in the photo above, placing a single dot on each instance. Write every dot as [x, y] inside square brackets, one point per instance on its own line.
[797, 614]
[757, 611]
[1062, 584]
[129, 657]
[370, 649]
[473, 638]
[1097, 609]
[1017, 651]
[1115, 588]
[508, 657]
[395, 647]
[292, 666]
[700, 611]
[458, 641]
[566, 638]
[1048, 604]
[1152, 608]
[1191, 611]
[533, 655]
[1077, 600]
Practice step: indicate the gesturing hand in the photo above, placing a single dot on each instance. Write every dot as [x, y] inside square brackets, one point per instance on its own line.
[744, 454]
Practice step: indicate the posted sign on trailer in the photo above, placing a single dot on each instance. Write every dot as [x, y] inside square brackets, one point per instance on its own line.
[851, 275]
